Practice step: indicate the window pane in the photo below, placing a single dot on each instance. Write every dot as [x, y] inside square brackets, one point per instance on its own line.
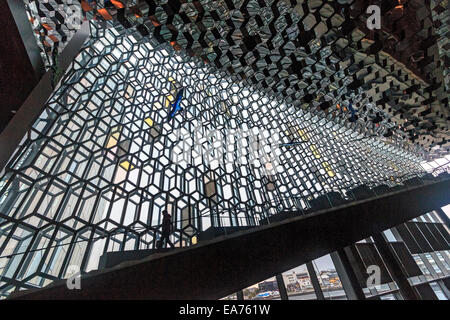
[298, 284]
[329, 280]
[230, 297]
[264, 290]
[438, 291]
[388, 297]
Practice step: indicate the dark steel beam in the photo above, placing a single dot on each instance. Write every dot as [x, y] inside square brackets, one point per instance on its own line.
[281, 287]
[347, 275]
[443, 216]
[315, 283]
[17, 77]
[33, 105]
[395, 268]
[219, 267]
[27, 36]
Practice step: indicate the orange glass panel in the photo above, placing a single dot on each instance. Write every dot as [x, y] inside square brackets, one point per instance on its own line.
[105, 14]
[117, 4]
[85, 6]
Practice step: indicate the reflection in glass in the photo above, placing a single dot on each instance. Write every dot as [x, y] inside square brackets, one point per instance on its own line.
[329, 280]
[390, 296]
[298, 284]
[438, 291]
[230, 297]
[264, 290]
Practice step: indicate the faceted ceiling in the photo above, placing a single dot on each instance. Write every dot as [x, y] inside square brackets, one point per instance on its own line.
[317, 55]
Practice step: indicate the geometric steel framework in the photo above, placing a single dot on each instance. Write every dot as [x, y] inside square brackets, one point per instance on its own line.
[54, 22]
[311, 54]
[96, 169]
[441, 21]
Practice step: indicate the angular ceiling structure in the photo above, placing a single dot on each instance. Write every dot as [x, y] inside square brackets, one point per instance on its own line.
[316, 55]
[108, 153]
[104, 159]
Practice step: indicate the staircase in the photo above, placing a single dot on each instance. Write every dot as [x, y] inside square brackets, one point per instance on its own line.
[223, 265]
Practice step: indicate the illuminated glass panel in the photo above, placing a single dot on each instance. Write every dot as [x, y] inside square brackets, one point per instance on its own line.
[97, 168]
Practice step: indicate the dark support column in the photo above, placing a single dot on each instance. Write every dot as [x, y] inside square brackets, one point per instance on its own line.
[315, 281]
[281, 287]
[443, 217]
[17, 76]
[444, 288]
[32, 103]
[18, 11]
[428, 265]
[395, 268]
[240, 295]
[347, 275]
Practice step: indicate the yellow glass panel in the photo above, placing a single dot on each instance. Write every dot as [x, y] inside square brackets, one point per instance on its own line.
[194, 240]
[127, 165]
[303, 135]
[172, 80]
[328, 169]
[392, 165]
[114, 138]
[111, 143]
[227, 111]
[149, 122]
[315, 152]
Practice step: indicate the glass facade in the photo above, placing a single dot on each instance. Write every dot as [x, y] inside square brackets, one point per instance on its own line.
[298, 284]
[105, 158]
[54, 23]
[426, 272]
[312, 54]
[264, 290]
[329, 280]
